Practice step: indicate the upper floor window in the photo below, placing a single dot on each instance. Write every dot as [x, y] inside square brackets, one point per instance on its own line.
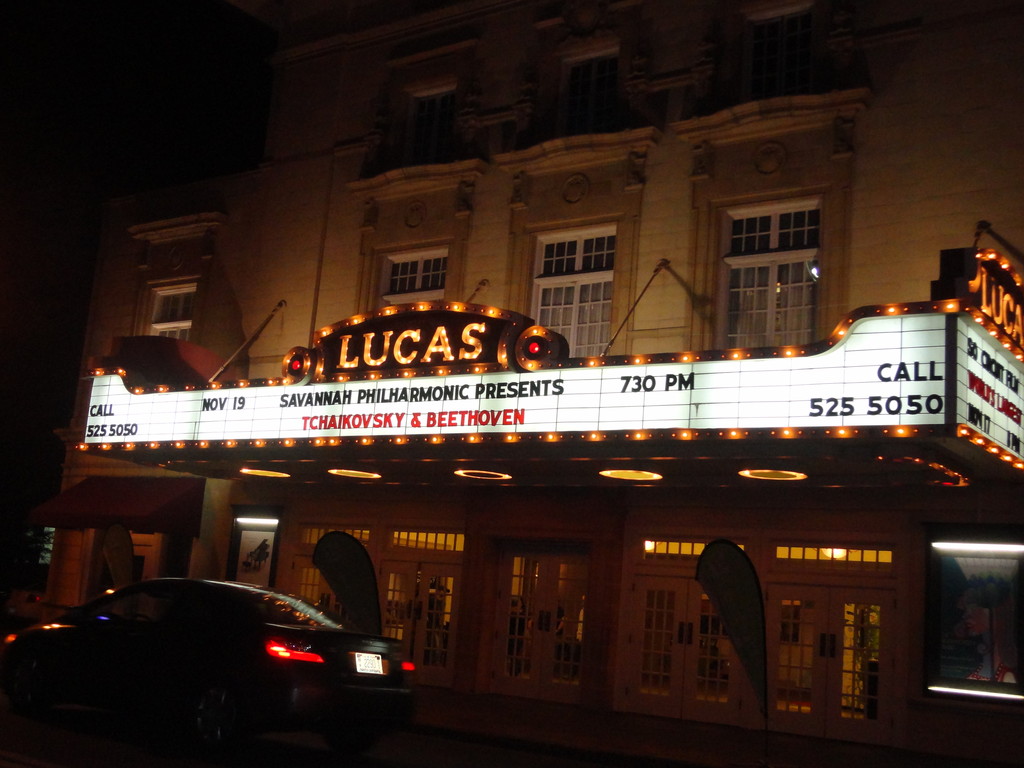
[432, 127]
[415, 275]
[592, 103]
[172, 311]
[772, 258]
[781, 56]
[573, 287]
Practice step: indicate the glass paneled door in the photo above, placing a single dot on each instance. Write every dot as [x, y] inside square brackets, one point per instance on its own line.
[420, 601]
[541, 648]
[830, 665]
[680, 659]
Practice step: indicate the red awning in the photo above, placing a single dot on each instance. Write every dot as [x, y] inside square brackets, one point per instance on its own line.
[141, 504]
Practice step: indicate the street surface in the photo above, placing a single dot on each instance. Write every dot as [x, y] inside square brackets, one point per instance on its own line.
[78, 738]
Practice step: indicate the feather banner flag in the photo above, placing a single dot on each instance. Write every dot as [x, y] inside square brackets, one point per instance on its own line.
[728, 578]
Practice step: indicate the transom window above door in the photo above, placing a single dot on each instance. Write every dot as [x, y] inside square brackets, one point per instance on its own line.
[772, 255]
[573, 286]
[415, 275]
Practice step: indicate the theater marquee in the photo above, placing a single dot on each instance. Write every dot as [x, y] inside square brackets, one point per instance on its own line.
[881, 371]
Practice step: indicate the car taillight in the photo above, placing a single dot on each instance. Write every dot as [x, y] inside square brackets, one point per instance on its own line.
[282, 649]
[408, 666]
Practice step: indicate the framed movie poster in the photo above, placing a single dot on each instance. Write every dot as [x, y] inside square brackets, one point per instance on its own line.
[252, 556]
[975, 625]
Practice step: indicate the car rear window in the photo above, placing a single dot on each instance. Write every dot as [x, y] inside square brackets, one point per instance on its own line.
[285, 609]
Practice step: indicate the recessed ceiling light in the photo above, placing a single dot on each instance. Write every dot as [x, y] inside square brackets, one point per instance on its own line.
[356, 473]
[263, 521]
[630, 474]
[262, 472]
[772, 474]
[482, 474]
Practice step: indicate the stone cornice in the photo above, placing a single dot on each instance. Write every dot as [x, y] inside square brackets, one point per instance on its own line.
[418, 179]
[772, 117]
[179, 228]
[569, 152]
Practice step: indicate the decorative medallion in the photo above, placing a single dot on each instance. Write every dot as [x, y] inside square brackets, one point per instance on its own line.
[769, 157]
[575, 188]
[415, 214]
[174, 258]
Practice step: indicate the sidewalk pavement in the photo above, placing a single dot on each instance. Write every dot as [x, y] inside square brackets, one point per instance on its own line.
[619, 738]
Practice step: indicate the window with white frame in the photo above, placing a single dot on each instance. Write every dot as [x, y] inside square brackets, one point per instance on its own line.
[781, 55]
[573, 287]
[415, 275]
[432, 127]
[591, 96]
[172, 311]
[772, 258]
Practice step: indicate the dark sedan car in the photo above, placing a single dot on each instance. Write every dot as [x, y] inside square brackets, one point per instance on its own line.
[217, 660]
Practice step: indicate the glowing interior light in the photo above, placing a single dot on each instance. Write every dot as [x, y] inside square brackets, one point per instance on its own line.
[968, 692]
[973, 546]
[833, 553]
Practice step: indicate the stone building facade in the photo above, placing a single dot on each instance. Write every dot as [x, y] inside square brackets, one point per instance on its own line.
[643, 177]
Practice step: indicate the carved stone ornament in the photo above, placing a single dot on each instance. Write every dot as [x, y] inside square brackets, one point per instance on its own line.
[518, 199]
[842, 132]
[586, 17]
[575, 188]
[174, 258]
[636, 174]
[769, 157]
[464, 197]
[415, 214]
[703, 161]
[370, 214]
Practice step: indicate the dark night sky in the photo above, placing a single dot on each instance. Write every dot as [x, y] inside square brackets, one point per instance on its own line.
[99, 98]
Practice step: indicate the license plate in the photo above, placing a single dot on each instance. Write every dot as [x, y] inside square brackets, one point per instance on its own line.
[369, 663]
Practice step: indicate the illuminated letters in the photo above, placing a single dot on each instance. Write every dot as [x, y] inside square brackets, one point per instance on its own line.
[997, 302]
[474, 343]
[401, 357]
[405, 347]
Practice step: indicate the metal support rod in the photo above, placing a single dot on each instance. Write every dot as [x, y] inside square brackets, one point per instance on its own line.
[479, 287]
[248, 342]
[660, 266]
[985, 228]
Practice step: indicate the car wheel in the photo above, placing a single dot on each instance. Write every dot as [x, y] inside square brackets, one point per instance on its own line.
[29, 690]
[216, 717]
[346, 741]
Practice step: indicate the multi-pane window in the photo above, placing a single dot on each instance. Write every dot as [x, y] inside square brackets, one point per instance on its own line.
[574, 288]
[172, 311]
[415, 276]
[592, 96]
[781, 56]
[433, 128]
[772, 285]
